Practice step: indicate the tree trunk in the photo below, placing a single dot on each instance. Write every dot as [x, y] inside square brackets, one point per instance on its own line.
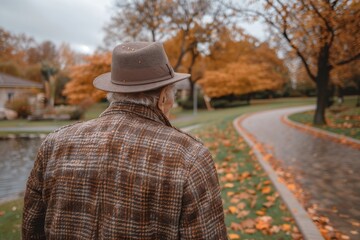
[153, 35]
[322, 82]
[192, 87]
[358, 98]
[248, 98]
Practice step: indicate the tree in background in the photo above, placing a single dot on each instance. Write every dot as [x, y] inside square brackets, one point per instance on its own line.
[238, 67]
[135, 20]
[80, 89]
[323, 34]
[40, 62]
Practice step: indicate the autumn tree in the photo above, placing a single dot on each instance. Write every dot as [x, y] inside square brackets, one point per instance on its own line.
[323, 34]
[137, 20]
[13, 52]
[242, 67]
[80, 88]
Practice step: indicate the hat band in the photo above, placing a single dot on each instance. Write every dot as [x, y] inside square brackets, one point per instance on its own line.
[142, 76]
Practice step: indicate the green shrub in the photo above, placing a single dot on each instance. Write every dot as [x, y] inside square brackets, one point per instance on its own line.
[74, 112]
[188, 104]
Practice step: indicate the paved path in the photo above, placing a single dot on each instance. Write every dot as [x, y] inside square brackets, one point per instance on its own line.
[328, 171]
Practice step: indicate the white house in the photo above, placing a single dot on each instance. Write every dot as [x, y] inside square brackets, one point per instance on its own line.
[11, 86]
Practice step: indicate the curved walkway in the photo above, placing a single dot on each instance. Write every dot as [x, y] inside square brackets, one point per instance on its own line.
[328, 171]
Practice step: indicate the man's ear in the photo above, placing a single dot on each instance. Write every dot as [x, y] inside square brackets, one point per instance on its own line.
[162, 98]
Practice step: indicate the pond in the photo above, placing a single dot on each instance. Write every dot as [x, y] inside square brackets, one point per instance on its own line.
[16, 161]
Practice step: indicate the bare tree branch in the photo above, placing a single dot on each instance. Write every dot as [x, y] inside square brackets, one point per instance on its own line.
[346, 61]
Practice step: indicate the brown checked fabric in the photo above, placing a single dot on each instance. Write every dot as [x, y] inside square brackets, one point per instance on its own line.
[125, 175]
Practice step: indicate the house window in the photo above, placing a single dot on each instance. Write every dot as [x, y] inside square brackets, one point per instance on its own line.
[10, 96]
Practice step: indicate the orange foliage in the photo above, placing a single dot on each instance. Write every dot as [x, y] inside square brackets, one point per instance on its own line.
[241, 67]
[190, 59]
[80, 87]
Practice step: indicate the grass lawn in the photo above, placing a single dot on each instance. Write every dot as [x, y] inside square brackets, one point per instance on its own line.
[253, 209]
[10, 219]
[181, 118]
[344, 120]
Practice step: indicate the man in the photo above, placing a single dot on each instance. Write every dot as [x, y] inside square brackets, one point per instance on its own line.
[127, 174]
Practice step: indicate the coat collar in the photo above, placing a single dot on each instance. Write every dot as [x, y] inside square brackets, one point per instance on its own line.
[148, 112]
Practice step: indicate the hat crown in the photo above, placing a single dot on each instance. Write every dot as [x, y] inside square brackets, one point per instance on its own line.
[139, 63]
[138, 67]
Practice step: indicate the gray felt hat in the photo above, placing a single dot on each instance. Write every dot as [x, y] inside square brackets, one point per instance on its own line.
[138, 67]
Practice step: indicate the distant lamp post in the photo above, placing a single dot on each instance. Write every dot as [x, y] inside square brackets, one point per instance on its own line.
[195, 99]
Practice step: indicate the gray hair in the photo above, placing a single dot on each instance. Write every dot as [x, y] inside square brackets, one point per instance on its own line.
[148, 98]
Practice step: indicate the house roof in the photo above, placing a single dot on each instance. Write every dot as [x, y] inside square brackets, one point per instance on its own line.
[8, 81]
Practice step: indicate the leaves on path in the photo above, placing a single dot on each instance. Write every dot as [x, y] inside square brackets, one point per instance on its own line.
[253, 209]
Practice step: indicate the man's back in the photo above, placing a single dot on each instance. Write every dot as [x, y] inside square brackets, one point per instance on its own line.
[125, 175]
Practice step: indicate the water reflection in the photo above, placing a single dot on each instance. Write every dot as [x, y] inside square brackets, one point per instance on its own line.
[16, 161]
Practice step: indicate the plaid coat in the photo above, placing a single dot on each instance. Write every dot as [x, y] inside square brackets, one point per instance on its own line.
[125, 175]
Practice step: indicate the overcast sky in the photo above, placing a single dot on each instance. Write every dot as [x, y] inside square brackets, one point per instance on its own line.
[77, 22]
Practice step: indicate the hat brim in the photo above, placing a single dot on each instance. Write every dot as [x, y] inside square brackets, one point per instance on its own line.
[103, 82]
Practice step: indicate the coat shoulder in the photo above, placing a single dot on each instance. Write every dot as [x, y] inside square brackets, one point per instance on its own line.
[67, 126]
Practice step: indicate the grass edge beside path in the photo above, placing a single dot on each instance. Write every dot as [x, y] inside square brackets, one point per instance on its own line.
[343, 125]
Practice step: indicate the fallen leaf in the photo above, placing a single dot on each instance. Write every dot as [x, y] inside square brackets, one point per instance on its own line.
[244, 175]
[241, 205]
[236, 226]
[260, 213]
[229, 177]
[291, 187]
[229, 194]
[253, 202]
[243, 195]
[267, 182]
[232, 209]
[355, 224]
[268, 204]
[296, 236]
[251, 191]
[233, 236]
[266, 190]
[275, 229]
[262, 225]
[227, 143]
[267, 157]
[286, 227]
[229, 185]
[243, 213]
[248, 223]
[250, 230]
[2, 213]
[233, 200]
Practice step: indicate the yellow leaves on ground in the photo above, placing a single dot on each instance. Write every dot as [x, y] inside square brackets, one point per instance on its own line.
[249, 197]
